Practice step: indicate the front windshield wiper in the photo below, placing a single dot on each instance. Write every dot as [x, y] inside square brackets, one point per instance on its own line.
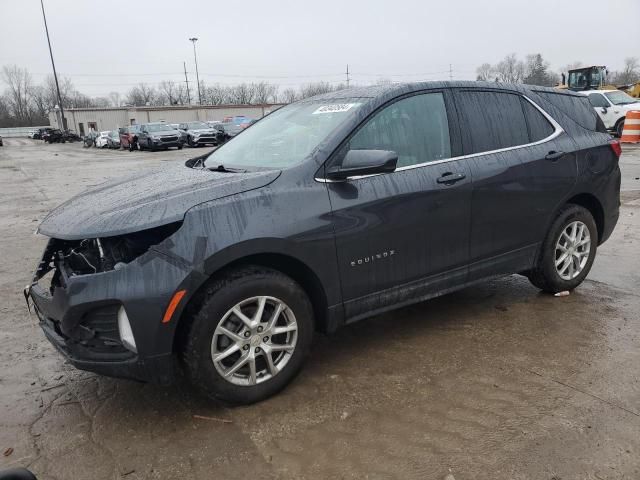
[222, 168]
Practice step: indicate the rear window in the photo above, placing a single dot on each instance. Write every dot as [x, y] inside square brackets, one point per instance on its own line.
[576, 107]
[491, 120]
[539, 127]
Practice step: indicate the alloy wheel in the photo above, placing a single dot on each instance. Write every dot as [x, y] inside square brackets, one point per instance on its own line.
[572, 250]
[254, 340]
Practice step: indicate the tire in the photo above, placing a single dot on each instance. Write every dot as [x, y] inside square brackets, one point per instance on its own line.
[213, 307]
[179, 147]
[545, 275]
[619, 127]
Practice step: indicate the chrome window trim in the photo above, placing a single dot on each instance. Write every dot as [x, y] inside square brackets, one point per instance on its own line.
[558, 130]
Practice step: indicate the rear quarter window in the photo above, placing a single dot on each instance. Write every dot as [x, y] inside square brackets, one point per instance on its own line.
[539, 127]
[576, 107]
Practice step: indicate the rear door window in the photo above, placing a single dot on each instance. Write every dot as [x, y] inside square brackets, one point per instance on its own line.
[416, 128]
[539, 127]
[491, 120]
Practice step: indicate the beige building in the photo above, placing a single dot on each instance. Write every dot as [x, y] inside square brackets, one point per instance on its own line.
[83, 119]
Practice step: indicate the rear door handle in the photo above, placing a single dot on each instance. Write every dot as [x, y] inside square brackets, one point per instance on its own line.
[450, 178]
[553, 155]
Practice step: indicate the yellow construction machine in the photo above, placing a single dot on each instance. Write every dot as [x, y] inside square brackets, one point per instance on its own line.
[595, 78]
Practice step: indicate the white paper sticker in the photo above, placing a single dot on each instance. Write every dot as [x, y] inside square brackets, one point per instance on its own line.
[335, 108]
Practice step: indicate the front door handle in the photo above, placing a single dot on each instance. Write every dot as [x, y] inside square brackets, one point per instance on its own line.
[553, 155]
[450, 178]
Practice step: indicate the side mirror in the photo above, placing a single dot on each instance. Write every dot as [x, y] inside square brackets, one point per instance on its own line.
[604, 109]
[364, 162]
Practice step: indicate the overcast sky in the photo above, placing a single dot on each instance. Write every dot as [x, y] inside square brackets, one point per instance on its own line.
[106, 46]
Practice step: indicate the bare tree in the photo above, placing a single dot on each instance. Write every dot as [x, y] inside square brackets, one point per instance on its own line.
[67, 91]
[216, 94]
[629, 74]
[264, 92]
[241, 94]
[18, 93]
[317, 88]
[168, 92]
[289, 95]
[485, 73]
[510, 69]
[40, 98]
[141, 95]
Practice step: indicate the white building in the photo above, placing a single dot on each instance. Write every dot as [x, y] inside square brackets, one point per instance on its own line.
[83, 119]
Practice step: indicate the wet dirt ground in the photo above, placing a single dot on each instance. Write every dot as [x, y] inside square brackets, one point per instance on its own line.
[497, 381]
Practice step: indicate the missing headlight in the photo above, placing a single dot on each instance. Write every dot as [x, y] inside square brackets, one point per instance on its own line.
[94, 255]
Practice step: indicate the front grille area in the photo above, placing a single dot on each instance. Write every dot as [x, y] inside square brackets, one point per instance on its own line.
[169, 139]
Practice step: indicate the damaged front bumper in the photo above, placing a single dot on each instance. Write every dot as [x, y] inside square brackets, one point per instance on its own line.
[110, 322]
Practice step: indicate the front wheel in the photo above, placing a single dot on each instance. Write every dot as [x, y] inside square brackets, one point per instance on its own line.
[568, 251]
[620, 127]
[248, 336]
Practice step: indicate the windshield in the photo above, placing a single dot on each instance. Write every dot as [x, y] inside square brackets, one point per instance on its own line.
[158, 127]
[284, 137]
[620, 98]
[197, 125]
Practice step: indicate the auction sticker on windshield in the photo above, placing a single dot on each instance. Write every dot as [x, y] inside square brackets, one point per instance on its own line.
[335, 108]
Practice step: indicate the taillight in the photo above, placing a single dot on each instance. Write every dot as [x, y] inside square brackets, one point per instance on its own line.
[616, 147]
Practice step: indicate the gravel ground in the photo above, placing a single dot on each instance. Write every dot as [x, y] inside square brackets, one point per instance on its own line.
[493, 382]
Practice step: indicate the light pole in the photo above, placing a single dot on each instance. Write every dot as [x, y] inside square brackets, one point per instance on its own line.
[195, 57]
[55, 75]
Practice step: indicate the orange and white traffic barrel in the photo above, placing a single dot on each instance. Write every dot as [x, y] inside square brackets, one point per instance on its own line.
[631, 131]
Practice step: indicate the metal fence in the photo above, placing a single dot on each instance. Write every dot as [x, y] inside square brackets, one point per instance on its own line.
[18, 131]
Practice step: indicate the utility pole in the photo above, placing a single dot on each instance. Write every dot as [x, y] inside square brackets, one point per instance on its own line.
[186, 80]
[55, 75]
[450, 72]
[347, 75]
[195, 57]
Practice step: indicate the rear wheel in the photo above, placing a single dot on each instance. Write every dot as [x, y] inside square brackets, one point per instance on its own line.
[249, 335]
[568, 251]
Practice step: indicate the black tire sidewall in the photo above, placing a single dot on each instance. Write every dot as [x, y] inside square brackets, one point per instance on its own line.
[552, 277]
[200, 368]
[620, 127]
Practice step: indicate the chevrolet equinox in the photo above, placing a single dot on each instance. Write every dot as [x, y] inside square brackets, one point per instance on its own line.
[326, 211]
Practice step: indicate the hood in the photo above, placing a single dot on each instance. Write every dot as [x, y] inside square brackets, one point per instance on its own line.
[630, 106]
[145, 200]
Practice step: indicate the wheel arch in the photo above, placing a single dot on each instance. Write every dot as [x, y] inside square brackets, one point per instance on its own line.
[591, 203]
[285, 263]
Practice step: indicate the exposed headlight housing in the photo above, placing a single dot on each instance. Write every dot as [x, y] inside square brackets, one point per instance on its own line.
[124, 328]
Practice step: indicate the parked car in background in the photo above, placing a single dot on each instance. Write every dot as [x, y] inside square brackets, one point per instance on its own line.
[183, 134]
[199, 133]
[229, 130]
[325, 212]
[154, 136]
[32, 134]
[113, 139]
[54, 136]
[101, 140]
[41, 132]
[612, 107]
[129, 136]
[72, 136]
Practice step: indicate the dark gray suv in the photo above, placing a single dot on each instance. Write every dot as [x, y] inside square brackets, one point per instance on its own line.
[325, 212]
[154, 136]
